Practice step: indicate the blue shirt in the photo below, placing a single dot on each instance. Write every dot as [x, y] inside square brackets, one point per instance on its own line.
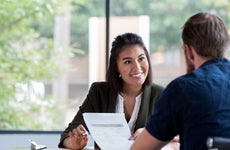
[195, 106]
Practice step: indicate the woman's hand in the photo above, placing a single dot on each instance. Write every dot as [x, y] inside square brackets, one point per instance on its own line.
[174, 144]
[136, 134]
[77, 138]
[176, 139]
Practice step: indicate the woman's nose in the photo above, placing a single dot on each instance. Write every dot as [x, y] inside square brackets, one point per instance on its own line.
[136, 65]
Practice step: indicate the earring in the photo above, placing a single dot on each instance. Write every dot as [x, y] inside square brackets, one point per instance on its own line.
[119, 75]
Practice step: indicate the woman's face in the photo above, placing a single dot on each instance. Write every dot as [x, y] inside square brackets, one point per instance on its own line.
[133, 65]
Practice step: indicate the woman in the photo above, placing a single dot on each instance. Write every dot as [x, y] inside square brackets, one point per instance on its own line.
[128, 89]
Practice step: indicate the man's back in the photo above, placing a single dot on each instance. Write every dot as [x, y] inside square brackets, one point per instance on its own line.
[200, 106]
[207, 105]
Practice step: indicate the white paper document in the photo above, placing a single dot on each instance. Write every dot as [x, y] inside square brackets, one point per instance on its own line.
[109, 130]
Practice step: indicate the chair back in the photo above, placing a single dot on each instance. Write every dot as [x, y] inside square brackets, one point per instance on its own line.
[218, 143]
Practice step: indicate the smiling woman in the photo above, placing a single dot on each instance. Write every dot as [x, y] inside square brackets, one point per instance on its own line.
[128, 89]
[133, 65]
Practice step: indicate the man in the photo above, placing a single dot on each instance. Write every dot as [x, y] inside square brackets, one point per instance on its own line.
[196, 105]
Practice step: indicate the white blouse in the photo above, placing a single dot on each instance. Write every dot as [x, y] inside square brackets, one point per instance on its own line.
[120, 109]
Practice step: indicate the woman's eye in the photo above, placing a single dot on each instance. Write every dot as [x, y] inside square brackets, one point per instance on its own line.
[127, 62]
[142, 58]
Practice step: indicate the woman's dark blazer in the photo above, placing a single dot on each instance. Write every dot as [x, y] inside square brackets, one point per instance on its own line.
[103, 98]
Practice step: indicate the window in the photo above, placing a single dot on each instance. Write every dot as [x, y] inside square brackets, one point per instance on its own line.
[48, 63]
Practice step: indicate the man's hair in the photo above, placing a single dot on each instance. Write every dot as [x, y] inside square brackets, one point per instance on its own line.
[118, 45]
[207, 34]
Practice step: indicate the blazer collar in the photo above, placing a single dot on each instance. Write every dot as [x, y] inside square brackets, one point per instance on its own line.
[144, 108]
[112, 101]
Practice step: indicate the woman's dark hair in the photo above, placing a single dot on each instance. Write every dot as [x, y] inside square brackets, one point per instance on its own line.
[207, 33]
[121, 41]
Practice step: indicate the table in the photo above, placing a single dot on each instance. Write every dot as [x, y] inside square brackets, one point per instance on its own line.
[51, 148]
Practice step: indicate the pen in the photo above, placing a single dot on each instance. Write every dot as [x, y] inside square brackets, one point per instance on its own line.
[85, 133]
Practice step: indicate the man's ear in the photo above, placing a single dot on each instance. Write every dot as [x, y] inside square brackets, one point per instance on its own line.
[189, 52]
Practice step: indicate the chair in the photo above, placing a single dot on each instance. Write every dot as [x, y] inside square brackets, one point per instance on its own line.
[218, 143]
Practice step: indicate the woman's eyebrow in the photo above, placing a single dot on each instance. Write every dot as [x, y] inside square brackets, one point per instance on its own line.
[131, 57]
[126, 58]
[141, 55]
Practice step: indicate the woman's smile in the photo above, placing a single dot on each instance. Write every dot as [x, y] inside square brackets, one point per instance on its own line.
[133, 65]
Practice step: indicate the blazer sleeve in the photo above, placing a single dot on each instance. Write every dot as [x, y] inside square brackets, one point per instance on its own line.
[89, 105]
[98, 99]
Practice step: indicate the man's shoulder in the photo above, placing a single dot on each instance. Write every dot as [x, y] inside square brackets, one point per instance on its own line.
[179, 83]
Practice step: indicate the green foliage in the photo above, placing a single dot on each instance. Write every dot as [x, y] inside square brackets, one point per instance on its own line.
[25, 57]
[81, 11]
[41, 114]
[166, 18]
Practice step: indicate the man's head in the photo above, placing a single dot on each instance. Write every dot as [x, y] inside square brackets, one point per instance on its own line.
[207, 35]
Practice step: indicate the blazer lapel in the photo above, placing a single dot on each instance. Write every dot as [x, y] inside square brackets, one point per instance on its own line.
[144, 108]
[112, 101]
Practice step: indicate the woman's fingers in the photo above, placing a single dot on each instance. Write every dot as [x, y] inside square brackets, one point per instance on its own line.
[136, 134]
[81, 130]
[77, 139]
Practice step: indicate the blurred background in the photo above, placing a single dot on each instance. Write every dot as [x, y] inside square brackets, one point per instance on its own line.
[52, 50]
